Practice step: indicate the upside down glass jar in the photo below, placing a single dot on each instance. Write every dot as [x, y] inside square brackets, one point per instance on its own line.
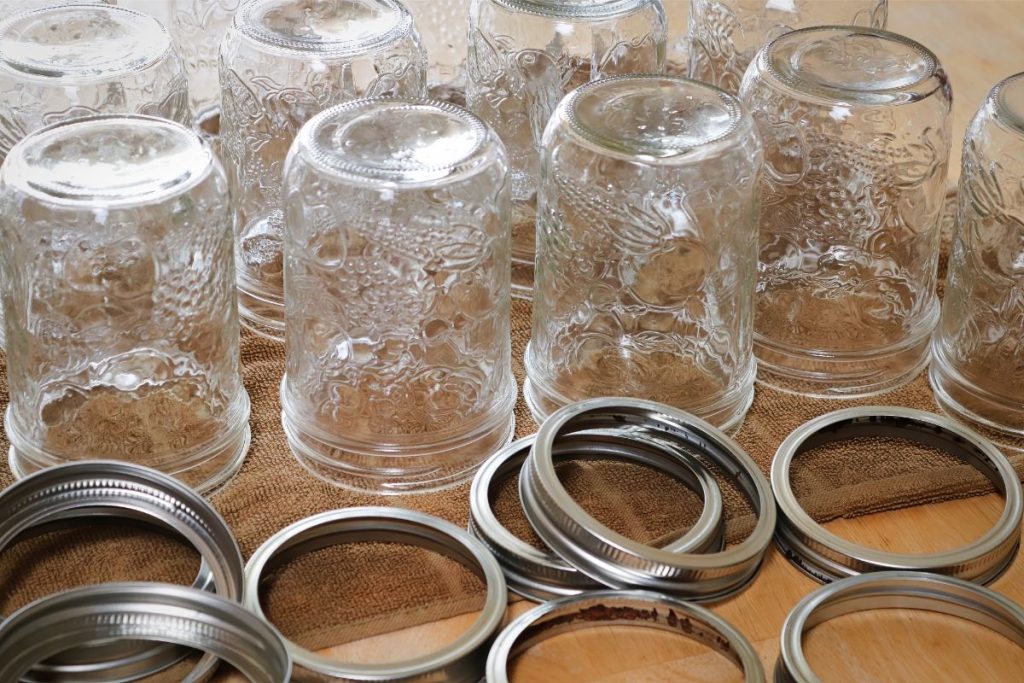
[525, 56]
[724, 35]
[442, 28]
[856, 129]
[198, 26]
[281, 63]
[647, 249]
[122, 322]
[977, 368]
[398, 371]
[64, 62]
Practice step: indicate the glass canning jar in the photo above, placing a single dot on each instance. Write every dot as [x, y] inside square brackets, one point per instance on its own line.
[281, 63]
[122, 323]
[647, 249]
[398, 346]
[525, 56]
[977, 368]
[724, 35]
[856, 130]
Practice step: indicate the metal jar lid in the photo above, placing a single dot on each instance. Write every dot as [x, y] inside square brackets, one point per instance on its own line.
[150, 611]
[620, 562]
[111, 489]
[542, 575]
[881, 590]
[826, 557]
[629, 608]
[461, 661]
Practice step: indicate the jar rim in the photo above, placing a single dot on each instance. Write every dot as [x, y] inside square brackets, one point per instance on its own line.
[248, 21]
[112, 183]
[804, 62]
[152, 44]
[575, 9]
[331, 142]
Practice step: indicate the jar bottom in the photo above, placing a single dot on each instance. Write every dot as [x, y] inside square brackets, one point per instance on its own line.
[261, 315]
[398, 469]
[204, 469]
[819, 374]
[726, 412]
[990, 415]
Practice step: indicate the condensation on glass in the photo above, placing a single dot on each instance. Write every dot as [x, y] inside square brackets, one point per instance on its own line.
[647, 249]
[724, 35]
[198, 26]
[282, 62]
[122, 324]
[443, 27]
[525, 56]
[977, 368]
[398, 365]
[856, 129]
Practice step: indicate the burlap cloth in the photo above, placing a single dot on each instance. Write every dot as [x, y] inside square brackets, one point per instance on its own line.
[341, 594]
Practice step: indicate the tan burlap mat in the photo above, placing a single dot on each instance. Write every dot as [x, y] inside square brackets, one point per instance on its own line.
[341, 594]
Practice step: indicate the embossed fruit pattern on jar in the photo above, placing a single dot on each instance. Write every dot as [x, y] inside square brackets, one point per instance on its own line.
[397, 270]
[856, 130]
[978, 366]
[65, 62]
[525, 56]
[198, 26]
[724, 35]
[647, 249]
[281, 63]
[124, 327]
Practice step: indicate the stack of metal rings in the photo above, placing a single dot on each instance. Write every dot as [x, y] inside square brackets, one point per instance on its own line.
[587, 555]
[93, 633]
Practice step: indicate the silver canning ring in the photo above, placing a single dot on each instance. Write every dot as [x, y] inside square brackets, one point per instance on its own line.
[460, 661]
[826, 557]
[617, 561]
[150, 611]
[541, 575]
[902, 590]
[629, 608]
[113, 489]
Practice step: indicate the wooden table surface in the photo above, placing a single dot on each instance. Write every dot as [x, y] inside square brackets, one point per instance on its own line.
[979, 42]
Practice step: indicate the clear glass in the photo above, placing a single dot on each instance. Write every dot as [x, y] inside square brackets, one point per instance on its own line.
[398, 348]
[647, 249]
[70, 61]
[856, 129]
[724, 35]
[977, 369]
[198, 26]
[122, 324]
[60, 63]
[525, 56]
[281, 63]
[442, 26]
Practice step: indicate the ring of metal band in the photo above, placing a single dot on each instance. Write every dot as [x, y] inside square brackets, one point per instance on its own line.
[148, 611]
[629, 608]
[826, 557]
[460, 661]
[902, 590]
[617, 561]
[108, 489]
[542, 575]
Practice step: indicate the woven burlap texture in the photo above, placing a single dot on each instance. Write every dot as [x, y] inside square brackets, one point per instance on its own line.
[356, 591]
